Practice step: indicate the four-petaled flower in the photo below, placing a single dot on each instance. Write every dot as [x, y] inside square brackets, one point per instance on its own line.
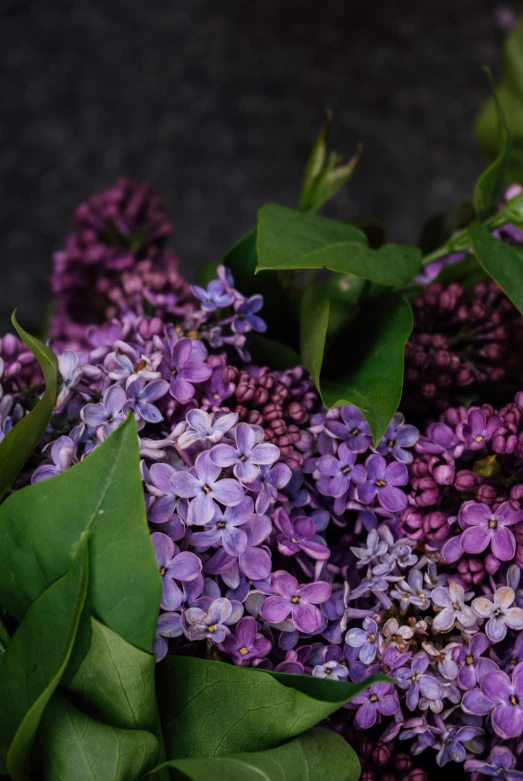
[214, 297]
[417, 682]
[380, 698]
[204, 488]
[245, 317]
[338, 472]
[173, 565]
[246, 643]
[168, 626]
[383, 480]
[181, 369]
[453, 748]
[268, 483]
[500, 764]
[499, 612]
[397, 437]
[107, 414]
[366, 639]
[476, 430]
[353, 429]
[247, 456]
[202, 427]
[210, 624]
[223, 528]
[472, 665]
[392, 634]
[484, 526]
[141, 397]
[502, 697]
[297, 535]
[451, 600]
[334, 671]
[299, 601]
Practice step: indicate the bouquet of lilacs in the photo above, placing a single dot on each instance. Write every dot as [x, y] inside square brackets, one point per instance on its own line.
[270, 524]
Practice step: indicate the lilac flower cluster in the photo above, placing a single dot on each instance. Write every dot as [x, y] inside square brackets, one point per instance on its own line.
[284, 538]
[116, 260]
[460, 345]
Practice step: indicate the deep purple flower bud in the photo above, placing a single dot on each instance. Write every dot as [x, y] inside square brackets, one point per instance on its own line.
[412, 520]
[424, 492]
[436, 526]
[401, 762]
[492, 564]
[472, 571]
[486, 494]
[465, 481]
[417, 775]
[368, 775]
[381, 753]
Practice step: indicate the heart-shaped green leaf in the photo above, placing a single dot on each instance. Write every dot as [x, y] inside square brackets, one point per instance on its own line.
[41, 525]
[35, 660]
[510, 95]
[75, 746]
[290, 240]
[20, 442]
[489, 187]
[213, 709]
[316, 755]
[501, 261]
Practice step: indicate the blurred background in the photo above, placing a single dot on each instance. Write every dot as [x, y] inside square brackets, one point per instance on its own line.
[217, 104]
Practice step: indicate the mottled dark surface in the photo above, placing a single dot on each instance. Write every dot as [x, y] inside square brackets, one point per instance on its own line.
[217, 102]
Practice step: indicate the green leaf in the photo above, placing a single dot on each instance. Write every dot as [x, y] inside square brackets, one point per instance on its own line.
[316, 755]
[115, 682]
[489, 187]
[74, 746]
[41, 526]
[23, 438]
[290, 240]
[510, 95]
[213, 709]
[364, 366]
[503, 262]
[267, 352]
[314, 321]
[373, 379]
[36, 659]
[324, 174]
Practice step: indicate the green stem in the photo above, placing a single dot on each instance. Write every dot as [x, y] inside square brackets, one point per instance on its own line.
[5, 637]
[459, 242]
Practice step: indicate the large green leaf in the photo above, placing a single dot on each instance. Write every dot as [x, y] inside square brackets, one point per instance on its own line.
[41, 525]
[36, 659]
[20, 442]
[213, 709]
[489, 187]
[510, 95]
[290, 240]
[314, 322]
[315, 756]
[503, 262]
[325, 172]
[115, 682]
[78, 748]
[364, 366]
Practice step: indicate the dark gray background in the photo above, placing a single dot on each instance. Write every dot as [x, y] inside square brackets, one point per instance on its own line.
[217, 103]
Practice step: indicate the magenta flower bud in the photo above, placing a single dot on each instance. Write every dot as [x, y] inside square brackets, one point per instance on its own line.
[472, 571]
[486, 494]
[230, 374]
[368, 775]
[435, 525]
[381, 753]
[402, 762]
[444, 473]
[516, 497]
[424, 492]
[418, 775]
[465, 481]
[412, 520]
